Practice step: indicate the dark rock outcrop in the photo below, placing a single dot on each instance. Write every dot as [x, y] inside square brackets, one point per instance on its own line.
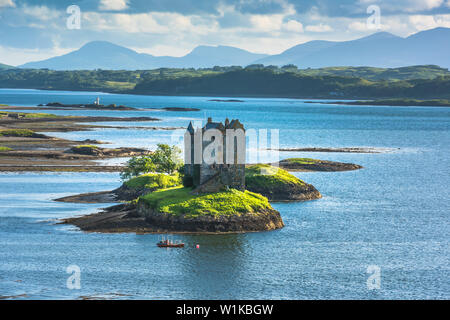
[318, 165]
[287, 192]
[247, 222]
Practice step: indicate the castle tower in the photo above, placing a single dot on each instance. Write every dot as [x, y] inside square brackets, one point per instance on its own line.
[215, 155]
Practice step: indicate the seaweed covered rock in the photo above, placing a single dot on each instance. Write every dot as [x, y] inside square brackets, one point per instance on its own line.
[89, 150]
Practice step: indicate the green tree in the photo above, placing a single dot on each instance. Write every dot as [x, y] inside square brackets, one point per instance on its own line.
[137, 166]
[165, 159]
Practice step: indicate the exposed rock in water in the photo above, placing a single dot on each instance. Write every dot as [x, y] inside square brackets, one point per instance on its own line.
[339, 150]
[226, 100]
[278, 185]
[141, 219]
[246, 222]
[180, 109]
[304, 164]
[93, 197]
[105, 152]
[91, 106]
[288, 192]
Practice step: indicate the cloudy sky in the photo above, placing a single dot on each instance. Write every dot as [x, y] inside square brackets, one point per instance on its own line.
[36, 29]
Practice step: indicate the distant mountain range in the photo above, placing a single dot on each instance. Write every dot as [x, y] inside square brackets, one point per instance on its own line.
[381, 49]
[109, 56]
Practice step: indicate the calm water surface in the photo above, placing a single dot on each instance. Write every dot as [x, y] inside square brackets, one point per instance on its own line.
[393, 214]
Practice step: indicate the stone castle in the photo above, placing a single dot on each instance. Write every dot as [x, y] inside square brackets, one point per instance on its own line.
[215, 156]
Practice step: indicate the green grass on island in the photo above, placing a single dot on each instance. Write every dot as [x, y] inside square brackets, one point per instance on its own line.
[264, 176]
[302, 161]
[37, 115]
[86, 146]
[4, 149]
[17, 133]
[180, 201]
[153, 181]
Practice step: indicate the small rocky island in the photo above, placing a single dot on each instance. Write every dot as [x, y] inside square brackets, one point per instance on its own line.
[278, 185]
[213, 198]
[307, 164]
[203, 198]
[89, 106]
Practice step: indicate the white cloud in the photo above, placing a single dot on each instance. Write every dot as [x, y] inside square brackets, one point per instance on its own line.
[7, 3]
[423, 22]
[19, 56]
[113, 5]
[319, 28]
[152, 23]
[266, 23]
[358, 26]
[41, 13]
[404, 5]
[293, 26]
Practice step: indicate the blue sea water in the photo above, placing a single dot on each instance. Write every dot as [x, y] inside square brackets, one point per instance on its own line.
[393, 214]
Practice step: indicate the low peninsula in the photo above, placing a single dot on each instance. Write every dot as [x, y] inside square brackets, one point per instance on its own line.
[23, 148]
[393, 102]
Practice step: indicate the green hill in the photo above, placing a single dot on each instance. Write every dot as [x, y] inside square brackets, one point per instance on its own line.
[369, 73]
[415, 82]
[5, 66]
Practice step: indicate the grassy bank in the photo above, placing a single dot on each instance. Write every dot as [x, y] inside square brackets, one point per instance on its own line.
[153, 181]
[180, 201]
[269, 177]
[24, 115]
[17, 133]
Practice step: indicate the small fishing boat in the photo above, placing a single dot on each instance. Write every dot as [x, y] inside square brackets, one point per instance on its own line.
[170, 244]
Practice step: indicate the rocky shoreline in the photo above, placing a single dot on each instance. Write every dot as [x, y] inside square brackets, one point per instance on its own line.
[132, 218]
[246, 222]
[24, 149]
[289, 193]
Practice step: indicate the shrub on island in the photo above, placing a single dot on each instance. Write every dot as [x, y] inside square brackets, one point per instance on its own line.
[153, 181]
